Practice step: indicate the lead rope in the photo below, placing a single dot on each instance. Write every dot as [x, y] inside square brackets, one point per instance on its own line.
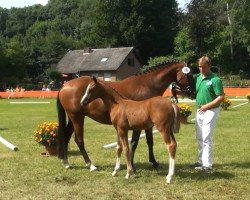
[174, 98]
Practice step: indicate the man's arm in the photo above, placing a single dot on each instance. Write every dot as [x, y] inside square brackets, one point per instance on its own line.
[212, 104]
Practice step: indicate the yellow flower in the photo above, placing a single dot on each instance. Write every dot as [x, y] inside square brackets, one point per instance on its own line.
[225, 103]
[46, 133]
[185, 110]
[248, 96]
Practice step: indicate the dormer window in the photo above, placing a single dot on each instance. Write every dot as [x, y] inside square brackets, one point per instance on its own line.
[104, 59]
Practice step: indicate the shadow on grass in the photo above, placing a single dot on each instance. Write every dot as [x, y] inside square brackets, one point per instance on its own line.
[3, 129]
[184, 171]
[74, 153]
[219, 171]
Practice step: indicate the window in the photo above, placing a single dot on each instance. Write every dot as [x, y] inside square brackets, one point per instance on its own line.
[131, 62]
[107, 77]
[104, 59]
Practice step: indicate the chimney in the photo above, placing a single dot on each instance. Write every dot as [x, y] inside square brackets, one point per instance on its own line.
[88, 50]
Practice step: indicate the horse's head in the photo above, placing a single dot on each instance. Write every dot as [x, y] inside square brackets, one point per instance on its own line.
[185, 81]
[91, 92]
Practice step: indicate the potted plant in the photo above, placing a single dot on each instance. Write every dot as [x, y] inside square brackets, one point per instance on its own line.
[46, 134]
[225, 103]
[185, 111]
[248, 97]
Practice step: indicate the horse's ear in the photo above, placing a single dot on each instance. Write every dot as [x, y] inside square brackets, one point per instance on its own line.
[94, 79]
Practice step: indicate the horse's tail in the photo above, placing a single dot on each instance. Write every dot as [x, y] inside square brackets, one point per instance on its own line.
[176, 124]
[61, 137]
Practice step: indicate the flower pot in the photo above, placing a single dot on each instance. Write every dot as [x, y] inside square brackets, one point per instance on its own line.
[50, 151]
[184, 119]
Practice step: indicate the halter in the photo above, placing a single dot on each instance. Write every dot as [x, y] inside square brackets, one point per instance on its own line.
[185, 70]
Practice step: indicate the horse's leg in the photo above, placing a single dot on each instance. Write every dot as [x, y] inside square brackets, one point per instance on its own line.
[172, 151]
[125, 146]
[69, 131]
[134, 143]
[118, 157]
[169, 140]
[150, 142]
[78, 122]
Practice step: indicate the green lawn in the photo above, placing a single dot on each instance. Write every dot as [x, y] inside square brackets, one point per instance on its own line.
[27, 175]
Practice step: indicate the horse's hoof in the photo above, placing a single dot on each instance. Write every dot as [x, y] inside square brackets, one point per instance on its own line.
[93, 168]
[168, 180]
[114, 173]
[127, 176]
[155, 164]
[68, 166]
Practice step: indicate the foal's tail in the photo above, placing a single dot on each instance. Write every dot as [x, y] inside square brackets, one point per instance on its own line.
[176, 124]
[61, 137]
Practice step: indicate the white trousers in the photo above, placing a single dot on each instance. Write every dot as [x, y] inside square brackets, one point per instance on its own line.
[204, 125]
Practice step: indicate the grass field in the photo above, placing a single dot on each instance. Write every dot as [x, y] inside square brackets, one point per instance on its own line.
[27, 175]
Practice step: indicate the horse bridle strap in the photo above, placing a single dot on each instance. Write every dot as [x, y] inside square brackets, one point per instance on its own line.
[173, 91]
[185, 71]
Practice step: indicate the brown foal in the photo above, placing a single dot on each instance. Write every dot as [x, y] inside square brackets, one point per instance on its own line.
[127, 115]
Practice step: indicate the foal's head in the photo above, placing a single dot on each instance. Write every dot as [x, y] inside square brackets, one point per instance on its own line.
[185, 81]
[92, 92]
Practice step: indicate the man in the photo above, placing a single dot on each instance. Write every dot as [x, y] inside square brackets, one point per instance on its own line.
[210, 94]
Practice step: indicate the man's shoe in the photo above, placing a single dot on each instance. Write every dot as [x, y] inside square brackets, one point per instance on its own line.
[207, 169]
[204, 169]
[196, 164]
[199, 168]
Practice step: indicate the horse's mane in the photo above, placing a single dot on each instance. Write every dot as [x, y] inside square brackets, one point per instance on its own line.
[157, 66]
[103, 82]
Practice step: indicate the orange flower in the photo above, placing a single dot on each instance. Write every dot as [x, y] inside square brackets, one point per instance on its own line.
[46, 133]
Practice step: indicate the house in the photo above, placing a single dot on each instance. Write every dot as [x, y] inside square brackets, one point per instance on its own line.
[107, 64]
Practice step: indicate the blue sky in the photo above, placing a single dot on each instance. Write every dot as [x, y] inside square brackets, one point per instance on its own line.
[20, 3]
[23, 3]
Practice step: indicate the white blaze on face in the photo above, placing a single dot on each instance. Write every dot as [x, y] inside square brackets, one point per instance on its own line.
[85, 95]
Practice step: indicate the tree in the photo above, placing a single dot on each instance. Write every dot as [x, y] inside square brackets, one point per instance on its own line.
[150, 26]
[240, 15]
[205, 30]
[183, 45]
[13, 65]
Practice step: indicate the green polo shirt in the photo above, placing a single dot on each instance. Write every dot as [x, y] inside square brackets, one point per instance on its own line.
[207, 89]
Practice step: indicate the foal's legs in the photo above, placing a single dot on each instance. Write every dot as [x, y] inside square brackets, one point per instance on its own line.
[124, 141]
[134, 143]
[118, 157]
[150, 142]
[78, 122]
[169, 139]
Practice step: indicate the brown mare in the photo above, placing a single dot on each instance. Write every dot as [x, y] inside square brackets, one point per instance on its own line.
[138, 87]
[128, 115]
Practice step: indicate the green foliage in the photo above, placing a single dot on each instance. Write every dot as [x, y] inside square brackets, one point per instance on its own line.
[205, 30]
[34, 38]
[183, 45]
[150, 26]
[53, 74]
[13, 63]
